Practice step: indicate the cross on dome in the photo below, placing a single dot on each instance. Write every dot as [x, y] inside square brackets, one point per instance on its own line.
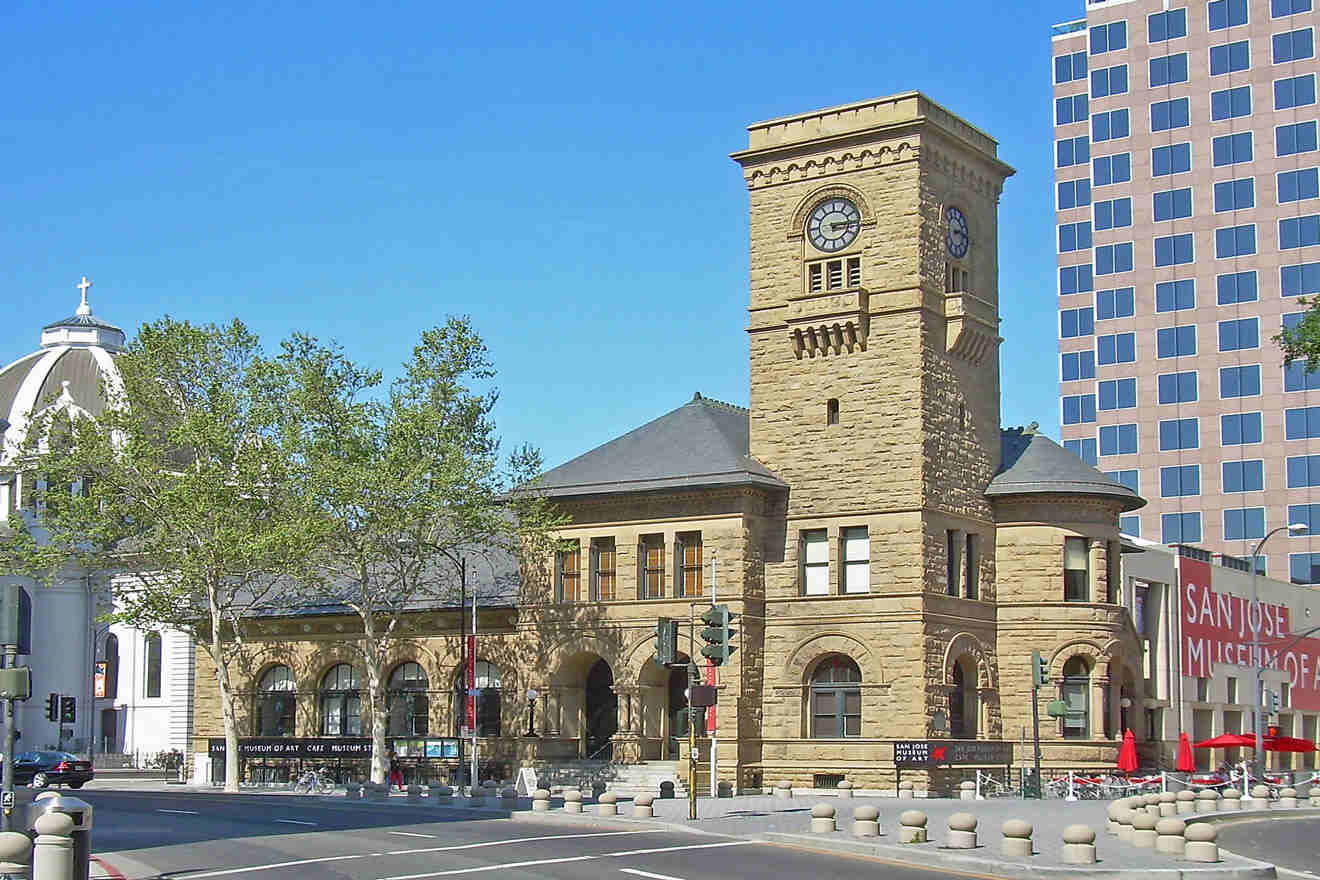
[84, 308]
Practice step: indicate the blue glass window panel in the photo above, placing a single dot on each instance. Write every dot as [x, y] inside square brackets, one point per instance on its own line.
[1116, 348]
[1239, 381]
[1230, 103]
[1127, 477]
[1117, 394]
[1075, 279]
[1179, 480]
[1173, 204]
[1236, 287]
[1306, 514]
[1177, 387]
[1230, 58]
[1075, 365]
[1293, 46]
[1173, 159]
[1296, 91]
[1239, 334]
[1175, 341]
[1280, 8]
[1166, 25]
[1072, 108]
[1174, 250]
[1244, 476]
[1299, 280]
[1168, 70]
[1118, 439]
[1289, 140]
[1303, 471]
[1110, 259]
[1110, 125]
[1292, 319]
[1118, 303]
[1240, 428]
[1234, 195]
[1180, 528]
[1304, 568]
[1230, 149]
[1235, 241]
[1074, 193]
[1113, 214]
[1069, 67]
[1074, 237]
[1226, 13]
[1083, 449]
[1304, 183]
[1243, 523]
[1175, 113]
[1072, 151]
[1079, 409]
[1111, 169]
[1076, 322]
[1175, 296]
[1178, 434]
[1130, 524]
[1296, 378]
[1296, 232]
[1109, 81]
[1301, 423]
[1108, 37]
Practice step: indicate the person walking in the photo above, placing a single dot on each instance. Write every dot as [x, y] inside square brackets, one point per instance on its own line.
[396, 773]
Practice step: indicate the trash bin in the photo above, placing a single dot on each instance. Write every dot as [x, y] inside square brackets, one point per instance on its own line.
[81, 813]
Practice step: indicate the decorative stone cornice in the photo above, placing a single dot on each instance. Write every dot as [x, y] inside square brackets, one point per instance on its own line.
[841, 161]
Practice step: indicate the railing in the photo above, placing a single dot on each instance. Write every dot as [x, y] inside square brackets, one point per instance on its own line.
[1068, 27]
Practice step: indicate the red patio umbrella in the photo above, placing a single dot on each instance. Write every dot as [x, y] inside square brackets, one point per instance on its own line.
[1127, 753]
[1184, 764]
[1288, 744]
[1228, 741]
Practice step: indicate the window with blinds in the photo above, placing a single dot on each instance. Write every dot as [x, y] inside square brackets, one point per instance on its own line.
[689, 572]
[570, 575]
[841, 274]
[1076, 570]
[602, 569]
[856, 543]
[815, 574]
[651, 566]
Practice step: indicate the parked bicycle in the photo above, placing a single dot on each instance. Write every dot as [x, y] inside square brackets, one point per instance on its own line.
[314, 782]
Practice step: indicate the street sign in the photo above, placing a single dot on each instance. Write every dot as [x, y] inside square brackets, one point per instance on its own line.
[16, 683]
[7, 800]
[696, 754]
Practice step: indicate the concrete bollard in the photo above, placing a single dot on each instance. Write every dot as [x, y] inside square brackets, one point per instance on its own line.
[822, 819]
[1260, 798]
[1168, 804]
[1017, 839]
[1143, 831]
[1111, 815]
[1079, 845]
[52, 856]
[912, 827]
[1126, 815]
[572, 801]
[844, 789]
[353, 791]
[1169, 835]
[441, 795]
[667, 791]
[1288, 799]
[541, 801]
[509, 797]
[866, 822]
[783, 789]
[642, 806]
[607, 804]
[967, 790]
[1186, 802]
[1231, 800]
[15, 854]
[905, 791]
[724, 789]
[1315, 795]
[1151, 803]
[1207, 801]
[962, 831]
[414, 794]
[1201, 846]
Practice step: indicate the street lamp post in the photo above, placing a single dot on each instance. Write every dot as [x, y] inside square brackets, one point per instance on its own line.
[1254, 617]
[532, 694]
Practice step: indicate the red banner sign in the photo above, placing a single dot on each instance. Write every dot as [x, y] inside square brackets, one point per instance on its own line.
[710, 713]
[1220, 628]
[470, 709]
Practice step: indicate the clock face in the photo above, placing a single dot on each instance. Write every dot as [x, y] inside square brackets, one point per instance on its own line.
[833, 225]
[958, 236]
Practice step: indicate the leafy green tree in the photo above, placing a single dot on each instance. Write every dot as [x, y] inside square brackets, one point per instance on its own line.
[179, 490]
[409, 484]
[1301, 342]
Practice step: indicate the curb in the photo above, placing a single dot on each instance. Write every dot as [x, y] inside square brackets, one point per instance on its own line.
[107, 870]
[935, 857]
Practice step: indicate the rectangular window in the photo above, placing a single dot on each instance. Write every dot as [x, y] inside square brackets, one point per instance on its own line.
[1289, 140]
[1110, 125]
[1130, 525]
[1180, 528]
[1117, 303]
[651, 558]
[1106, 170]
[1116, 348]
[1085, 449]
[1244, 476]
[1108, 37]
[1129, 478]
[1293, 46]
[1243, 523]
[1076, 570]
[972, 567]
[1074, 237]
[1075, 279]
[1295, 91]
[1079, 409]
[1175, 341]
[1239, 381]
[1299, 280]
[952, 561]
[1301, 423]
[1075, 365]
[1072, 151]
[1306, 514]
[1294, 186]
[1298, 232]
[1109, 81]
[1230, 103]
[1168, 69]
[603, 577]
[1236, 287]
[856, 543]
[1240, 429]
[1111, 259]
[1117, 394]
[1173, 159]
[815, 563]
[1177, 387]
[1167, 25]
[1174, 250]
[1069, 68]
[570, 574]
[1173, 204]
[1235, 241]
[1074, 193]
[1180, 481]
[1226, 13]
[691, 580]
[1118, 439]
[1113, 214]
[1231, 149]
[1166, 115]
[1175, 296]
[1304, 568]
[1231, 689]
[1280, 8]
[1230, 58]
[1076, 322]
[1239, 334]
[1070, 109]
[1178, 434]
[1234, 195]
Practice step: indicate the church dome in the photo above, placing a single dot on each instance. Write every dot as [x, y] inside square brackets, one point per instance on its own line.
[76, 356]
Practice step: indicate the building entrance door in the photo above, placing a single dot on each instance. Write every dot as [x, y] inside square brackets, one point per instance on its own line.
[678, 713]
[602, 706]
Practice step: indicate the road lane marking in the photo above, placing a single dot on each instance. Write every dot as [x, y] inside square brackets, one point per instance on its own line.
[294, 864]
[181, 812]
[294, 822]
[412, 834]
[587, 858]
[649, 874]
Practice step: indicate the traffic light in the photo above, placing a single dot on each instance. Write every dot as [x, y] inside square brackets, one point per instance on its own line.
[1271, 702]
[666, 641]
[68, 710]
[53, 707]
[1040, 670]
[718, 634]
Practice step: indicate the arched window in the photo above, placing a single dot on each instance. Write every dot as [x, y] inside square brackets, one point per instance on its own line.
[112, 666]
[341, 702]
[488, 699]
[1077, 699]
[836, 699]
[962, 700]
[152, 663]
[408, 701]
[276, 700]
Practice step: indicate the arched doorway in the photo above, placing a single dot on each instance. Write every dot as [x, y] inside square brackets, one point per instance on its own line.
[602, 711]
[1077, 699]
[963, 715]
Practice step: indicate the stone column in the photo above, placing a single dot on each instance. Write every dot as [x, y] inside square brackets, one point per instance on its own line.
[1098, 686]
[983, 699]
[1096, 562]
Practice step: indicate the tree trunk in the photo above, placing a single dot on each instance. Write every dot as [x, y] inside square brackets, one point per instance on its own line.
[226, 706]
[376, 702]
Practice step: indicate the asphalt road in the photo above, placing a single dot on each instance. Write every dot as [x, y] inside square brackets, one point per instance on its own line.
[1290, 843]
[198, 836]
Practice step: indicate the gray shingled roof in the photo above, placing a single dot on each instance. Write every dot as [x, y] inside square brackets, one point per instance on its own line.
[702, 443]
[1034, 464]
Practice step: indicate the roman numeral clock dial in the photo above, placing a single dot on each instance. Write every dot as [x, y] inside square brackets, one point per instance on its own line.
[833, 225]
[958, 236]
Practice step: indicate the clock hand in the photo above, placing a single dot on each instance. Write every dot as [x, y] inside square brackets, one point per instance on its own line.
[835, 227]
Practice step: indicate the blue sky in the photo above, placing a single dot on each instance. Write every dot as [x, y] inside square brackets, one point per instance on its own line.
[557, 171]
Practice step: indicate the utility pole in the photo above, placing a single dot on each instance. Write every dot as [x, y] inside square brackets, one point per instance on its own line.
[1039, 676]
[462, 660]
[472, 677]
[11, 740]
[714, 672]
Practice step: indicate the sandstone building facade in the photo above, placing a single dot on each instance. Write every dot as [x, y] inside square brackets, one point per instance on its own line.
[894, 557]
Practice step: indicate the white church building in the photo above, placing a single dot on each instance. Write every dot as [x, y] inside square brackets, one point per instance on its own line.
[133, 689]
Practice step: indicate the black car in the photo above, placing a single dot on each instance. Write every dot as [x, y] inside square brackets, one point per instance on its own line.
[40, 769]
